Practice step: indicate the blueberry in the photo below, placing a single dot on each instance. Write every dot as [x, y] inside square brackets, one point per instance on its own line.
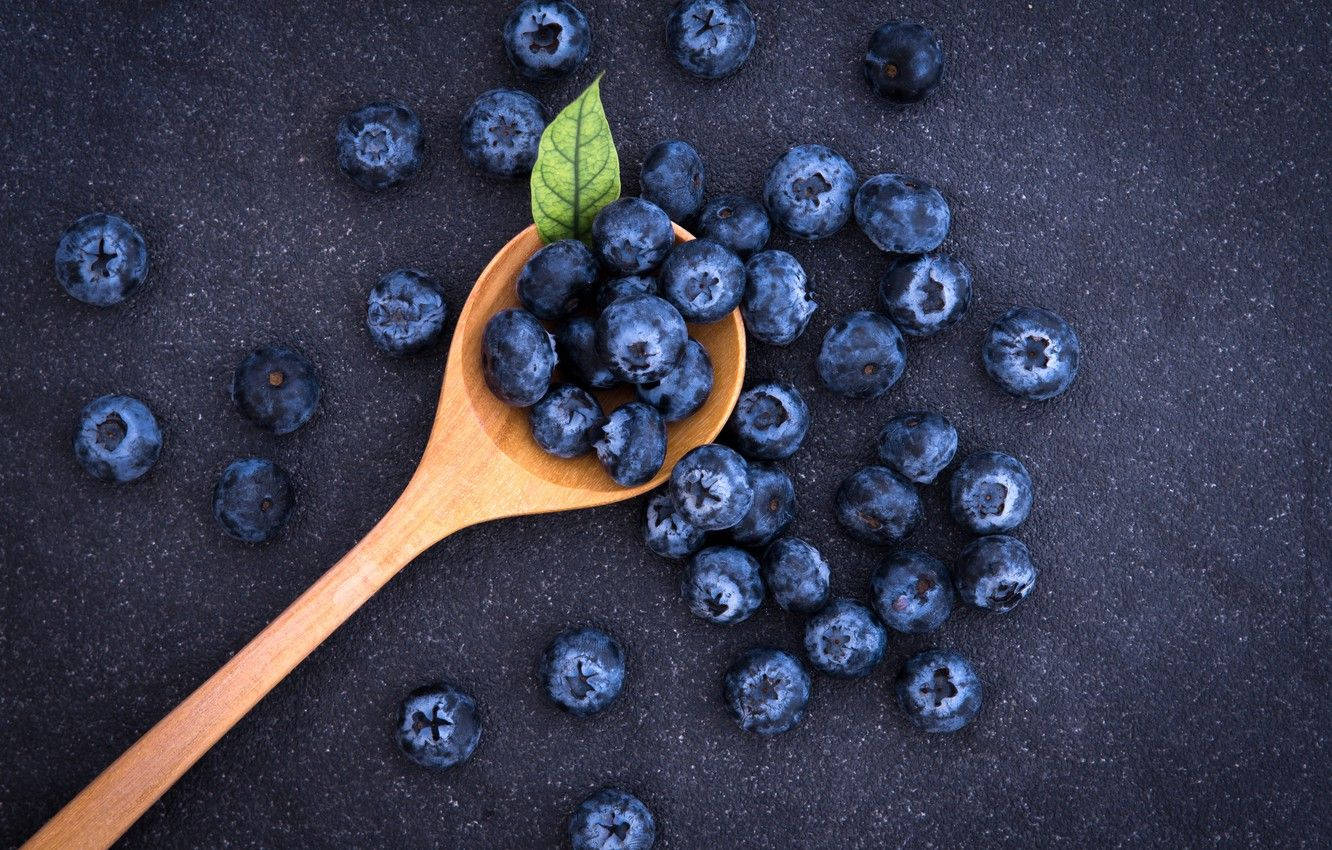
[666, 532]
[991, 492]
[797, 575]
[769, 422]
[862, 356]
[711, 38]
[641, 338]
[612, 819]
[546, 40]
[632, 445]
[845, 640]
[567, 421]
[710, 486]
[501, 131]
[276, 388]
[1032, 353]
[771, 511]
[380, 145]
[721, 584]
[777, 303]
[631, 235]
[557, 278]
[808, 191]
[682, 392]
[917, 445]
[117, 439]
[912, 592]
[252, 499]
[405, 312]
[630, 284]
[904, 61]
[766, 691]
[939, 691]
[738, 223]
[995, 572]
[902, 214]
[438, 726]
[926, 293]
[877, 506]
[517, 356]
[101, 259]
[583, 670]
[703, 279]
[672, 178]
[576, 344]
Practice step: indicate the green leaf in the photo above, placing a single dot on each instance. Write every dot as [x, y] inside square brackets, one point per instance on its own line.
[577, 170]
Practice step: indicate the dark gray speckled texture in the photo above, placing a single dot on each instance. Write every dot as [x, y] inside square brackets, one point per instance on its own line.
[1157, 175]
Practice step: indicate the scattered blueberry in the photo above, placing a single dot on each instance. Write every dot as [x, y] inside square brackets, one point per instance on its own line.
[546, 39]
[711, 38]
[612, 819]
[904, 61]
[736, 222]
[501, 131]
[923, 294]
[769, 421]
[641, 338]
[796, 574]
[722, 584]
[583, 670]
[438, 726]
[912, 591]
[766, 691]
[557, 278]
[703, 279]
[902, 214]
[567, 421]
[862, 356]
[844, 639]
[631, 235]
[252, 499]
[576, 345]
[405, 312]
[991, 492]
[808, 191]
[995, 572]
[517, 357]
[380, 145]
[117, 439]
[630, 284]
[877, 506]
[682, 392]
[917, 445]
[710, 486]
[672, 178]
[771, 511]
[777, 303]
[632, 446]
[276, 388]
[666, 532]
[1032, 353]
[939, 691]
[101, 259]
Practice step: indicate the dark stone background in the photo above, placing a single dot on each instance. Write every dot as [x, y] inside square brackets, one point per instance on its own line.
[1159, 176]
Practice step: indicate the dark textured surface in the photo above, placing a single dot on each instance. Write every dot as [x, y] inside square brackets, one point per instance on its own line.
[1159, 176]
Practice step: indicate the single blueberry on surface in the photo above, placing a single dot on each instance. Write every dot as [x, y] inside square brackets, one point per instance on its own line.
[736, 222]
[926, 293]
[252, 499]
[276, 388]
[117, 439]
[405, 312]
[517, 357]
[631, 235]
[641, 338]
[672, 178]
[682, 392]
[808, 191]
[904, 215]
[576, 345]
[904, 61]
[703, 279]
[772, 509]
[101, 259]
[1032, 353]
[630, 284]
[917, 445]
[769, 422]
[612, 819]
[501, 131]
[554, 282]
[991, 492]
[721, 584]
[711, 38]
[438, 726]
[995, 573]
[710, 487]
[844, 639]
[939, 691]
[766, 691]
[877, 506]
[912, 592]
[380, 145]
[797, 575]
[666, 532]
[567, 421]
[546, 39]
[862, 356]
[632, 445]
[777, 302]
[583, 670]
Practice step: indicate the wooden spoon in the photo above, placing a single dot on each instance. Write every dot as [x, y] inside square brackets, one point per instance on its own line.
[480, 463]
